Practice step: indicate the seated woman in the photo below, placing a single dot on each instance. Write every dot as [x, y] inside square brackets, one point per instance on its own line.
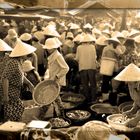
[131, 75]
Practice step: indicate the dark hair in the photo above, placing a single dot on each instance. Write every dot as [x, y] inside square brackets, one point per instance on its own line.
[115, 44]
[34, 39]
[129, 42]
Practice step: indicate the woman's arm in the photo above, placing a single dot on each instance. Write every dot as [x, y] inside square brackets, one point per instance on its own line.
[5, 86]
[26, 81]
[64, 67]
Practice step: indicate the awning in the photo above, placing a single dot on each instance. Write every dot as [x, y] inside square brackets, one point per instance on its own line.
[25, 16]
[87, 5]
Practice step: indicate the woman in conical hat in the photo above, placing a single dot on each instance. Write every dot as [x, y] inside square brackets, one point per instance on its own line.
[4, 57]
[12, 81]
[131, 75]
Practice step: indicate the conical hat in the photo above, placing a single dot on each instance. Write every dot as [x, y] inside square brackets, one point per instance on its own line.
[22, 49]
[88, 38]
[74, 26]
[117, 34]
[115, 39]
[137, 39]
[101, 40]
[4, 46]
[51, 32]
[25, 37]
[70, 35]
[88, 25]
[96, 31]
[51, 43]
[78, 38]
[134, 32]
[130, 73]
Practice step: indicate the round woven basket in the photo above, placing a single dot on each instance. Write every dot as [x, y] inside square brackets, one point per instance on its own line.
[46, 92]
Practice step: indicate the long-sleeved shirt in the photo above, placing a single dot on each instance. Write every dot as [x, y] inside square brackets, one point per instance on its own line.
[86, 57]
[57, 67]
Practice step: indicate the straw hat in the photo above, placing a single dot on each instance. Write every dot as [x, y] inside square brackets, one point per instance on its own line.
[70, 24]
[130, 73]
[68, 43]
[58, 41]
[106, 31]
[125, 33]
[101, 40]
[27, 66]
[134, 32]
[51, 43]
[25, 37]
[22, 49]
[51, 32]
[88, 38]
[46, 92]
[117, 34]
[5, 24]
[78, 38]
[88, 25]
[12, 33]
[39, 35]
[70, 35]
[137, 39]
[79, 30]
[4, 46]
[74, 26]
[115, 39]
[96, 31]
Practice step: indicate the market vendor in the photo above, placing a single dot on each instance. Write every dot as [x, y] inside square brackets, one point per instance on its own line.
[12, 81]
[131, 75]
[57, 68]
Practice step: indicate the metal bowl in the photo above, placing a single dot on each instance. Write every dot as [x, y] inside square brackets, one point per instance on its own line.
[104, 108]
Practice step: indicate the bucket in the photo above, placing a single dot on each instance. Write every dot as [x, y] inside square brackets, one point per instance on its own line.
[107, 66]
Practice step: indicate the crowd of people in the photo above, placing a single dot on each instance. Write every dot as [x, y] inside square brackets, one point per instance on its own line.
[82, 58]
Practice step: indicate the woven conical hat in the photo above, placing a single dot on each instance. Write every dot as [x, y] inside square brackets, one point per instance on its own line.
[4, 46]
[22, 49]
[130, 73]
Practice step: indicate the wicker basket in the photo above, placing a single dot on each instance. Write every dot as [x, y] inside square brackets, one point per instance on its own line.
[46, 92]
[114, 122]
[104, 108]
[123, 107]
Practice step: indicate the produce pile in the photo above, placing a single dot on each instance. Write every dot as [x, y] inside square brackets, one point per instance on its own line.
[59, 122]
[78, 114]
